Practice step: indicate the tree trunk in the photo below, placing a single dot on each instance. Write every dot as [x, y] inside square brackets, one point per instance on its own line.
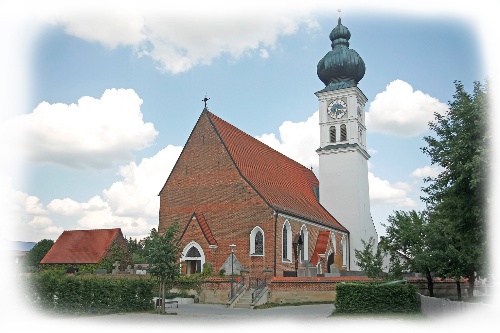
[472, 280]
[162, 288]
[430, 283]
[459, 290]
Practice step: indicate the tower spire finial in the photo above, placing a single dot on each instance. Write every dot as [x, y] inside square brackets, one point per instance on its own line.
[339, 10]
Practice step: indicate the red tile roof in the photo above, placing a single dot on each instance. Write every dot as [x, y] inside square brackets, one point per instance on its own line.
[81, 246]
[321, 244]
[284, 184]
[205, 229]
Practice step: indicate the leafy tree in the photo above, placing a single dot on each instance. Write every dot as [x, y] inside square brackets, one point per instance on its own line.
[163, 253]
[408, 234]
[116, 253]
[136, 249]
[456, 198]
[368, 261]
[36, 254]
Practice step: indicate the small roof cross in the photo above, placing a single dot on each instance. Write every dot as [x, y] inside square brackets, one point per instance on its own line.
[205, 100]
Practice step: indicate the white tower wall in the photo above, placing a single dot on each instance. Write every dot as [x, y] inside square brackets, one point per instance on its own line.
[343, 168]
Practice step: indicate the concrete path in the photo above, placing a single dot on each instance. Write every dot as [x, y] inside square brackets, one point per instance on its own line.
[202, 314]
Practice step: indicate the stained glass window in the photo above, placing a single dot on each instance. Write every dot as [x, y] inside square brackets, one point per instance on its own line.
[259, 243]
[193, 253]
[285, 243]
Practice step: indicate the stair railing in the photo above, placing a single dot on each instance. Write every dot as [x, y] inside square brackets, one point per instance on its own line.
[236, 290]
[259, 284]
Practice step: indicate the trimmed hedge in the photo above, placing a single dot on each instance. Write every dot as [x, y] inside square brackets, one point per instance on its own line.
[58, 292]
[376, 298]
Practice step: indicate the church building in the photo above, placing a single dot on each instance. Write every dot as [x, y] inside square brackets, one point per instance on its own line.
[239, 201]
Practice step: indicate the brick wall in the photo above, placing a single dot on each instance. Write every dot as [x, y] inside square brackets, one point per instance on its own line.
[206, 180]
[309, 289]
[215, 291]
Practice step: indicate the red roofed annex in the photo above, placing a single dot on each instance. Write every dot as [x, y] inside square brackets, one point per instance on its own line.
[85, 246]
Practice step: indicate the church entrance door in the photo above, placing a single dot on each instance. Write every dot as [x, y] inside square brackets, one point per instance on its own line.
[329, 262]
[193, 258]
[193, 266]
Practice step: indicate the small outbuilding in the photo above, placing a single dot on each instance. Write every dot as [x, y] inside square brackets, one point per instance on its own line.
[99, 247]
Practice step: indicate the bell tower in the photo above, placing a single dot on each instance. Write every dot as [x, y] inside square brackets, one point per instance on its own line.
[343, 156]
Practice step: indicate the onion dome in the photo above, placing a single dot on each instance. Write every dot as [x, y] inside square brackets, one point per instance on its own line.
[342, 67]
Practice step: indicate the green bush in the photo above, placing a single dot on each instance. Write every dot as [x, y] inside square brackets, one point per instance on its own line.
[53, 290]
[376, 298]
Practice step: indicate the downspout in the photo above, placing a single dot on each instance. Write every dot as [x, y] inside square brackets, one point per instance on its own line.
[349, 252]
[275, 222]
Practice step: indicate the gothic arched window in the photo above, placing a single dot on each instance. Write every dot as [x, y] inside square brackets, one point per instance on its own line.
[287, 242]
[304, 255]
[193, 252]
[257, 242]
[344, 251]
[343, 132]
[333, 134]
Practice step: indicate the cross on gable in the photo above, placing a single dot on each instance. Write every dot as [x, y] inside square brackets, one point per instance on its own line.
[205, 100]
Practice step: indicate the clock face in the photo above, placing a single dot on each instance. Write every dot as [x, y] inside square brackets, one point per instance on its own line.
[337, 109]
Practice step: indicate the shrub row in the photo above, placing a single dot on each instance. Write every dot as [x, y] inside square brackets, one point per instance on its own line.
[55, 291]
[376, 298]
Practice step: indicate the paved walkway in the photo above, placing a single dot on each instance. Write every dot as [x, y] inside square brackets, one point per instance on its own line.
[197, 314]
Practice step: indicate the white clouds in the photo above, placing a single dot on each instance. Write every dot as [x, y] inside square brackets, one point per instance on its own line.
[137, 193]
[301, 148]
[177, 44]
[25, 216]
[384, 193]
[179, 38]
[131, 204]
[110, 29]
[426, 171]
[93, 133]
[401, 111]
[65, 207]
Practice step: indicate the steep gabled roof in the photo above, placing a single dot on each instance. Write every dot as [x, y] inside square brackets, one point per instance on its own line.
[81, 246]
[287, 186]
[205, 229]
[321, 245]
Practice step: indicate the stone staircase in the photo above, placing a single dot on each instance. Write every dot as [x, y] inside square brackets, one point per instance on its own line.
[245, 301]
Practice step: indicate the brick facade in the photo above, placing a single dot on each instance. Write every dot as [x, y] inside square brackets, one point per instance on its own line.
[206, 182]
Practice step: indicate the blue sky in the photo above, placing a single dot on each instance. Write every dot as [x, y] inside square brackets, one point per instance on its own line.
[107, 98]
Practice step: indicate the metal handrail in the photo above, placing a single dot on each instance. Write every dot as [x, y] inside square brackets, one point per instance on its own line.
[259, 288]
[236, 289]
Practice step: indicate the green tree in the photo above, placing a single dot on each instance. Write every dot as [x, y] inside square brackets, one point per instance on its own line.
[368, 260]
[163, 253]
[408, 234]
[456, 198]
[36, 254]
[137, 251]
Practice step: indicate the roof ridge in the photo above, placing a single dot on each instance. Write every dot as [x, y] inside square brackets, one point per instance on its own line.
[210, 115]
[260, 142]
[283, 183]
